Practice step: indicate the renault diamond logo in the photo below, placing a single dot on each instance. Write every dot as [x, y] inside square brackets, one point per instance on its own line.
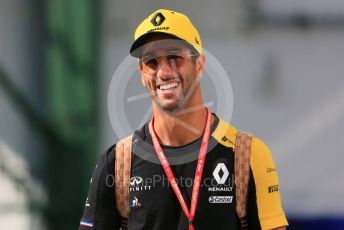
[158, 19]
[223, 178]
[136, 180]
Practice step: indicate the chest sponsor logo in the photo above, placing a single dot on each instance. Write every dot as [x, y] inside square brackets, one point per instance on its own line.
[135, 181]
[135, 203]
[220, 189]
[220, 199]
[222, 181]
[221, 167]
[137, 184]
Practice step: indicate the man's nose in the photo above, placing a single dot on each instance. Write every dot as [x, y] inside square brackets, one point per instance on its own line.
[165, 69]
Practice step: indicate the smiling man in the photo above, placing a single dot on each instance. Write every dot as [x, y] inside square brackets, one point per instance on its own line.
[169, 69]
[186, 168]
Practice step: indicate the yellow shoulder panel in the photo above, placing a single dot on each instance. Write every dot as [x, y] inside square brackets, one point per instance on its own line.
[269, 203]
[225, 133]
[271, 214]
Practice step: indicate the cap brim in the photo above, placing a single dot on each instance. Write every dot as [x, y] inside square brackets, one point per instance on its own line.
[135, 49]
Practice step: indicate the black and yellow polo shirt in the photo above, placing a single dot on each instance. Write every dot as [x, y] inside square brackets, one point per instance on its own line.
[153, 204]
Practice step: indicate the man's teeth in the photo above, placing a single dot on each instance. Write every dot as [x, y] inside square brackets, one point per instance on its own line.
[169, 86]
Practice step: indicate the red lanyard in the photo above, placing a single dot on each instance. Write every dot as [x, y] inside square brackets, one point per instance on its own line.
[199, 170]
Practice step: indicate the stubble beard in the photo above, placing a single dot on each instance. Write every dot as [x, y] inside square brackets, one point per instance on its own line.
[181, 102]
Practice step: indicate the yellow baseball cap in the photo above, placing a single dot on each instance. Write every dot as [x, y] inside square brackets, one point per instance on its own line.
[167, 22]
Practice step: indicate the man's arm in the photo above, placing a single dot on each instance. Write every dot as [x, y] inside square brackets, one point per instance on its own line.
[264, 199]
[100, 211]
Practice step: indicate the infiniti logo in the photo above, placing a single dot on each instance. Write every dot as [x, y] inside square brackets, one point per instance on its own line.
[137, 184]
[136, 180]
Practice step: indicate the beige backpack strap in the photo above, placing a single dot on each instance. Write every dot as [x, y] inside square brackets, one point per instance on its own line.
[242, 174]
[122, 177]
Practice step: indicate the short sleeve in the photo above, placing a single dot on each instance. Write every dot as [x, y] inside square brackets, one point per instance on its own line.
[266, 186]
[100, 211]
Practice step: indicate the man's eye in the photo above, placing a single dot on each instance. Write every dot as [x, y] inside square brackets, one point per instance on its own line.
[175, 61]
[152, 63]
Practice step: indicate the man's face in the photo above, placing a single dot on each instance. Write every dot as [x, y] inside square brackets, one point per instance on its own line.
[169, 71]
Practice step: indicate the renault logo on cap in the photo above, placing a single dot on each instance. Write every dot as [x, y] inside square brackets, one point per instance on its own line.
[158, 19]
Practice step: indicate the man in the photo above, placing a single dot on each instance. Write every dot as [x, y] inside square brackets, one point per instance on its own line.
[170, 63]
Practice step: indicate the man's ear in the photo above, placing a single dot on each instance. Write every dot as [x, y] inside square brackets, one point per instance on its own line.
[143, 82]
[200, 64]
